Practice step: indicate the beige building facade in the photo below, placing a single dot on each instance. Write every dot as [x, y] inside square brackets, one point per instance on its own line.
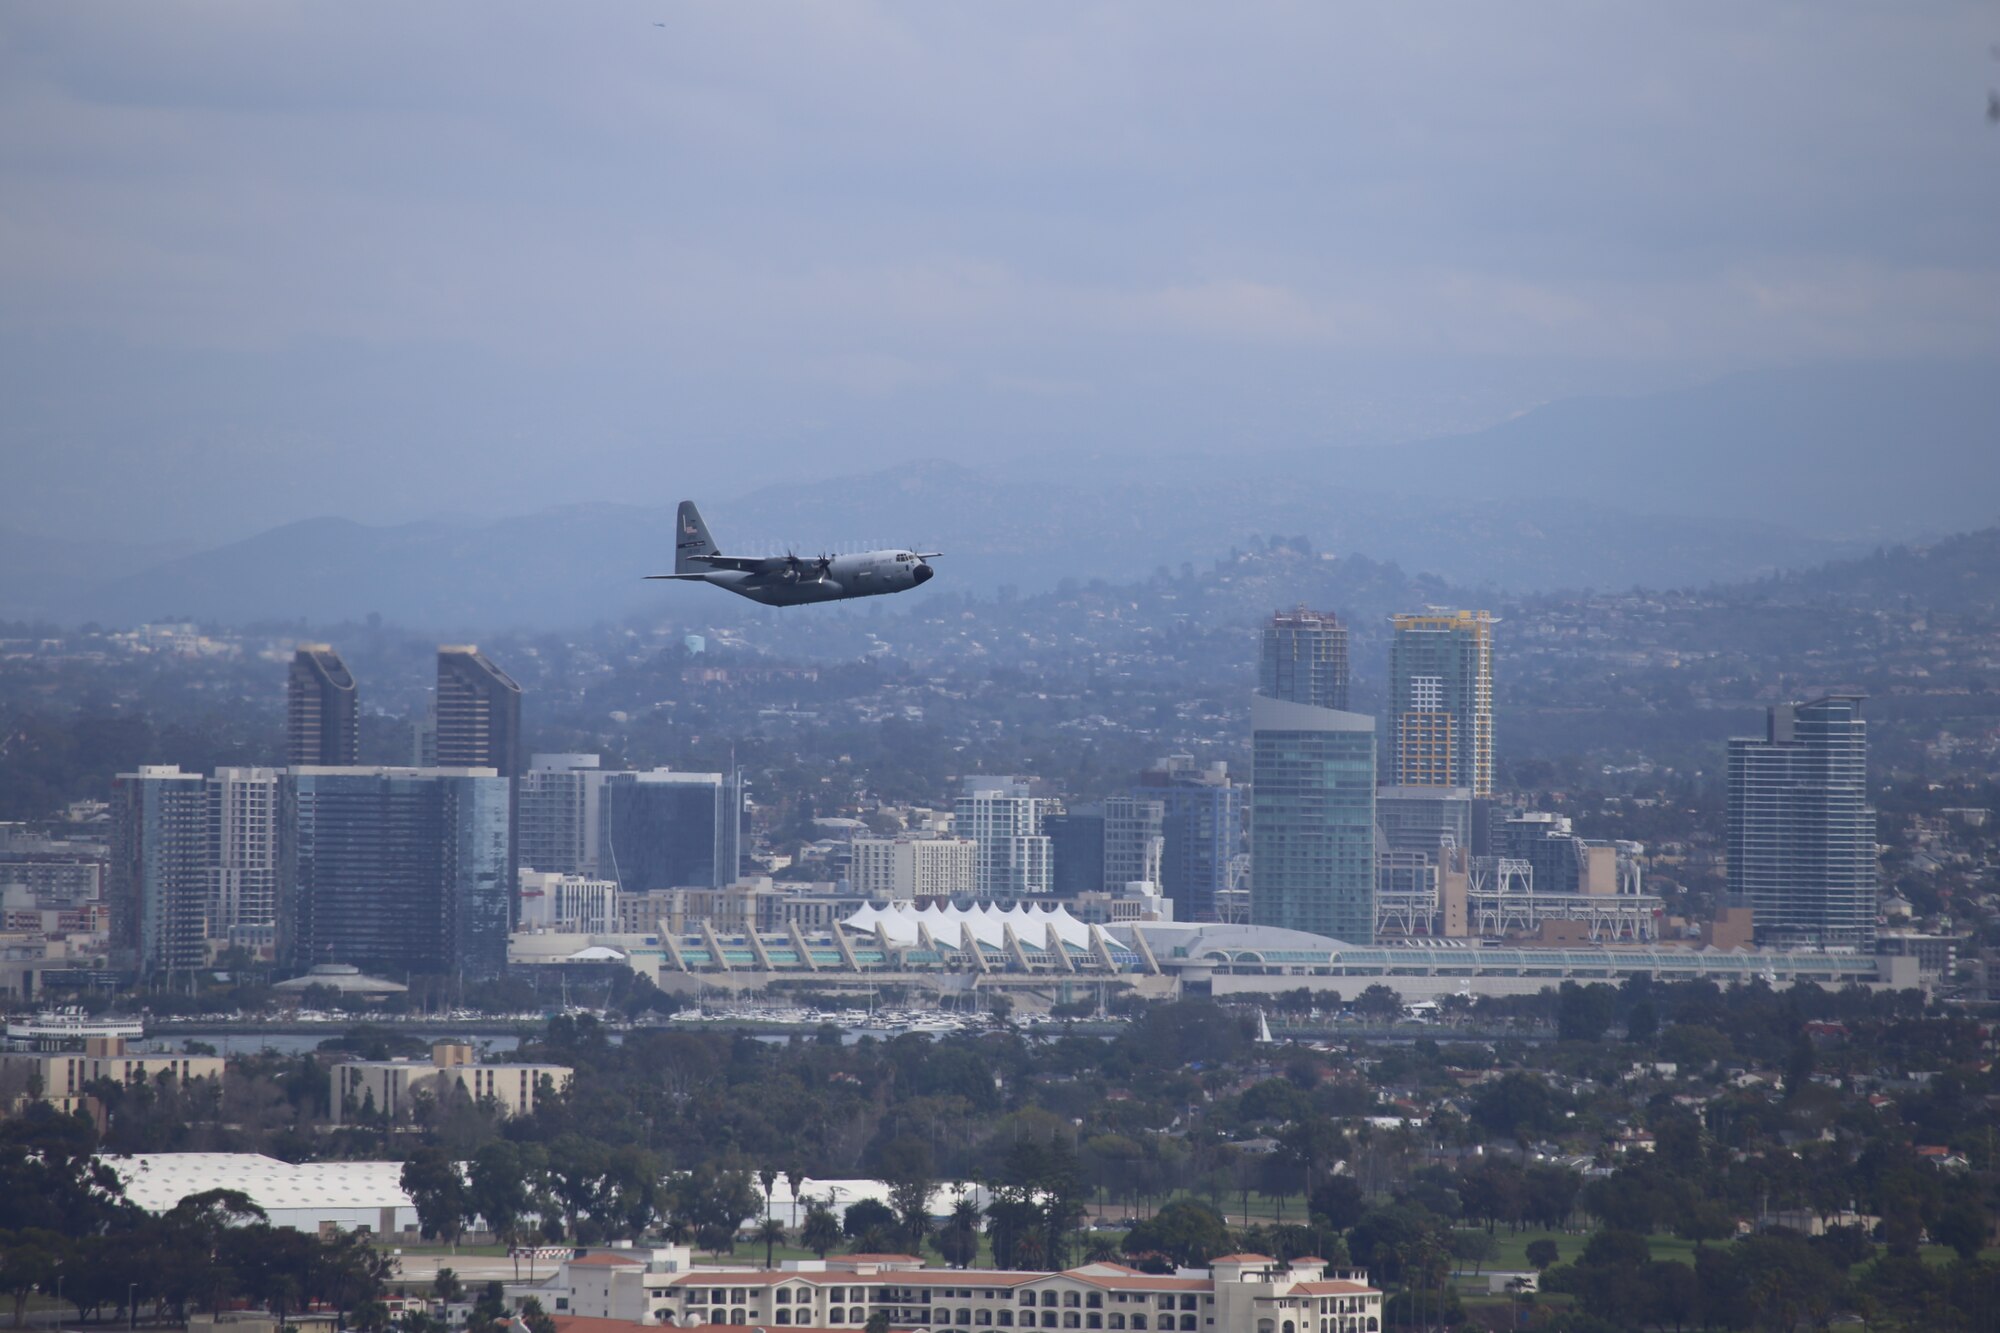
[62, 1078]
[362, 1088]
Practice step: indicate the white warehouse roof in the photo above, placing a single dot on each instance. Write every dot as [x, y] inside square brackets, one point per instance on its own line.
[158, 1181]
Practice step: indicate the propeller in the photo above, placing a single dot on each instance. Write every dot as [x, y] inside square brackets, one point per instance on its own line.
[792, 567]
[824, 564]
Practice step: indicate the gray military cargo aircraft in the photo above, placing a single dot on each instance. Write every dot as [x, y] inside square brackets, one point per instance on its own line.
[791, 580]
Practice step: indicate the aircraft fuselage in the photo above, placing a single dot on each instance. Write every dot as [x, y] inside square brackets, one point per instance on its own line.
[869, 574]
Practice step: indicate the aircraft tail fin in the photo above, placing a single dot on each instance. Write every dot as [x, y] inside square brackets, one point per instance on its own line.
[691, 540]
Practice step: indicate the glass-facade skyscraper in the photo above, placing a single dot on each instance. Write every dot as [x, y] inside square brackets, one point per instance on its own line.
[478, 713]
[1312, 820]
[1441, 701]
[1201, 832]
[322, 709]
[1305, 659]
[401, 870]
[1801, 835]
[668, 830]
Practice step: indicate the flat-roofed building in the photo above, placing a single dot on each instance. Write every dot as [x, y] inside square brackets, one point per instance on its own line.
[884, 868]
[1238, 1293]
[63, 1078]
[363, 1089]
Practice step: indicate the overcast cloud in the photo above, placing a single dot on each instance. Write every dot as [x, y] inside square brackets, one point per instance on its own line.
[492, 256]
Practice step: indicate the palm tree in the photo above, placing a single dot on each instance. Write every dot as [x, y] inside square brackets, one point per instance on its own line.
[772, 1232]
[768, 1179]
[795, 1179]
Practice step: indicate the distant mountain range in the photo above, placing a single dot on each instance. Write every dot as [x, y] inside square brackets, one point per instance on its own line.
[1731, 481]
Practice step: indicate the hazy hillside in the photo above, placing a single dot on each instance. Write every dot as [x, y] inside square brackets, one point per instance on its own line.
[1830, 451]
[1959, 574]
[1728, 482]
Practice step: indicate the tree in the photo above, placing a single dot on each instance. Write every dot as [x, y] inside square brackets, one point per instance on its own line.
[907, 1171]
[1964, 1226]
[1542, 1253]
[821, 1231]
[28, 1262]
[497, 1190]
[795, 1180]
[1338, 1203]
[1187, 1231]
[772, 1232]
[958, 1239]
[438, 1191]
[1380, 1003]
[1514, 1106]
[1584, 1013]
[537, 1319]
[865, 1215]
[446, 1286]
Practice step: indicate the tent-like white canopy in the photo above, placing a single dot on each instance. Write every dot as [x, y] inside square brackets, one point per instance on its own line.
[899, 920]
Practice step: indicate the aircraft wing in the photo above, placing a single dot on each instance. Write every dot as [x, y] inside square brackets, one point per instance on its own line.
[674, 576]
[749, 563]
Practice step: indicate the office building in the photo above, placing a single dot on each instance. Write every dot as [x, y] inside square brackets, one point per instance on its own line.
[904, 868]
[1134, 842]
[1441, 701]
[557, 822]
[396, 870]
[1201, 832]
[1312, 820]
[1305, 659]
[1559, 861]
[1801, 835]
[1422, 819]
[667, 830]
[322, 709]
[575, 904]
[1004, 817]
[478, 713]
[242, 856]
[159, 869]
[1076, 850]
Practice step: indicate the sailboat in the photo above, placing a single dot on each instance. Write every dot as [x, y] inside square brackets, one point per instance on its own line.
[1264, 1037]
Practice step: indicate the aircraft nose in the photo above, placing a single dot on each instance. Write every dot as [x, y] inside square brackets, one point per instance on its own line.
[922, 573]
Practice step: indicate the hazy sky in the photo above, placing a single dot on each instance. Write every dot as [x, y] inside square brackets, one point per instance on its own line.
[260, 261]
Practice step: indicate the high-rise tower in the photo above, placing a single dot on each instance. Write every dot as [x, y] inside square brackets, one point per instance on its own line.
[1441, 701]
[322, 714]
[478, 713]
[1312, 819]
[1202, 831]
[159, 868]
[1305, 659]
[1801, 835]
[1004, 817]
[667, 830]
[403, 869]
[242, 854]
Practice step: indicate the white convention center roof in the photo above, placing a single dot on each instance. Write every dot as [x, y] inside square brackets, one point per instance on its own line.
[988, 922]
